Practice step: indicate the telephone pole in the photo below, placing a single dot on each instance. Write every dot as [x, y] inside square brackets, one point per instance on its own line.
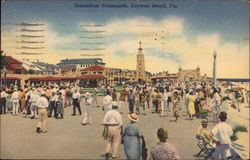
[214, 68]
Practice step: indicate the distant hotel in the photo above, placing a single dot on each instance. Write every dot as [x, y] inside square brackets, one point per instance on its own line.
[75, 65]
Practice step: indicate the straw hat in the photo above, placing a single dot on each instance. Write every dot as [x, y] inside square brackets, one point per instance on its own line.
[133, 117]
[204, 121]
[114, 103]
[87, 94]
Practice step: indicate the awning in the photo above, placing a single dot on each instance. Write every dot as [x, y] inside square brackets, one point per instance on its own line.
[10, 78]
[92, 77]
[45, 78]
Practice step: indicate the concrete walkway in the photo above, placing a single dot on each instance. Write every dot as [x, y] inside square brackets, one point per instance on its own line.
[67, 139]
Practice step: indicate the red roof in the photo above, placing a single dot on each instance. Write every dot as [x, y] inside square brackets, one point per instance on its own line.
[11, 60]
[13, 64]
[10, 78]
[92, 77]
[93, 68]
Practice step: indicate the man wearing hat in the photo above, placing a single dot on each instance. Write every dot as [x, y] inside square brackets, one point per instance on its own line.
[112, 131]
[203, 133]
[76, 102]
[87, 109]
[107, 102]
[42, 104]
[15, 101]
[33, 106]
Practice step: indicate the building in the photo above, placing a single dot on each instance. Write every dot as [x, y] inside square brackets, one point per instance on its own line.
[46, 68]
[162, 76]
[14, 66]
[189, 74]
[92, 76]
[116, 76]
[140, 66]
[30, 67]
[75, 65]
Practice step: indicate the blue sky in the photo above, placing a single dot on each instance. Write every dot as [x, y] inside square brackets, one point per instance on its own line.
[224, 21]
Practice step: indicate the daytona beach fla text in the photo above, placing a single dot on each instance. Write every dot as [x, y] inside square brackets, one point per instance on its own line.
[132, 5]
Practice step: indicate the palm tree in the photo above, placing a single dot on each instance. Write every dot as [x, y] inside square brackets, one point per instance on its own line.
[3, 60]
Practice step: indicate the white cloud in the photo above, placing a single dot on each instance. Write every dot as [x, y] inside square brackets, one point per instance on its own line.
[124, 36]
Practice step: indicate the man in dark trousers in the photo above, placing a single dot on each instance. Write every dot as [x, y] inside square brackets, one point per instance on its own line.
[52, 104]
[131, 100]
[76, 102]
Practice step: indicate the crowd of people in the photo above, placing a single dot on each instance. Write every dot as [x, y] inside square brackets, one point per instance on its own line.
[165, 99]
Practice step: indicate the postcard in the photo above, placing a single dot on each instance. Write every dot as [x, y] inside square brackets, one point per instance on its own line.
[123, 79]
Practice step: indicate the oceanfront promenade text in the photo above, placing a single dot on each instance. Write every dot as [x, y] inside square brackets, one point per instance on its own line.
[124, 5]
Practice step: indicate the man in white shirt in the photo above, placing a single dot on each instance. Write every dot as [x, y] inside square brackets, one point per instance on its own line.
[87, 109]
[63, 91]
[42, 104]
[15, 102]
[112, 131]
[33, 106]
[107, 102]
[3, 102]
[221, 133]
[76, 102]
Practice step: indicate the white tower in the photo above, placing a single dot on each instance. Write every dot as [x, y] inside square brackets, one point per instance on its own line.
[140, 67]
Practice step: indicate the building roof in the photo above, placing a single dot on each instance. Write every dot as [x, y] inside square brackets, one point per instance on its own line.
[93, 68]
[30, 66]
[13, 64]
[43, 64]
[82, 61]
[11, 60]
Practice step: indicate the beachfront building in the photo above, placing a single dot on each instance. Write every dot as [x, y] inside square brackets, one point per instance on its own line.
[189, 74]
[76, 65]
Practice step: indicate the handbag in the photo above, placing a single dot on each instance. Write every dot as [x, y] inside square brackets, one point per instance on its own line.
[105, 132]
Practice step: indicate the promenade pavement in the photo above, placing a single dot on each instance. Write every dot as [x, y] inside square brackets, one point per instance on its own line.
[68, 139]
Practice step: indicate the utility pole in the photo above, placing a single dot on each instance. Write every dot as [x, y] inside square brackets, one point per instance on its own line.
[214, 68]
